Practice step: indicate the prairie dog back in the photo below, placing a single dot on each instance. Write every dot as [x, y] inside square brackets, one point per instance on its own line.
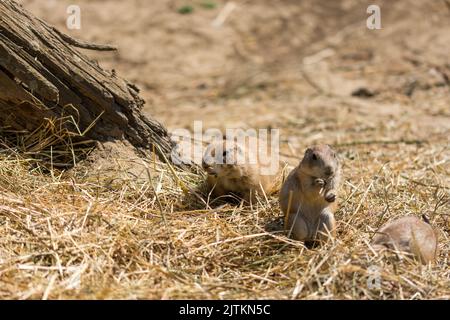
[408, 234]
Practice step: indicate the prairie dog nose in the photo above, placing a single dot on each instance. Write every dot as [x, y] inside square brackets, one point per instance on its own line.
[329, 170]
[209, 169]
[206, 166]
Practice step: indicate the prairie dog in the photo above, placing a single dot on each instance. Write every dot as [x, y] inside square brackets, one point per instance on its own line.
[234, 167]
[308, 193]
[408, 234]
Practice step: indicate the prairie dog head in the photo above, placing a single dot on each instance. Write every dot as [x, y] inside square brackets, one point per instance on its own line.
[320, 161]
[222, 158]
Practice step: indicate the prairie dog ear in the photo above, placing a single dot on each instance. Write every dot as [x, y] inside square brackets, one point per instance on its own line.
[307, 155]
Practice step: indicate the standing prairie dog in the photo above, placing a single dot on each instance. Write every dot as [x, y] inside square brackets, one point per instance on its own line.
[408, 234]
[308, 192]
[236, 168]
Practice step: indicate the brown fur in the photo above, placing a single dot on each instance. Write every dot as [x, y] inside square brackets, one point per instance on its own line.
[244, 180]
[308, 195]
[408, 234]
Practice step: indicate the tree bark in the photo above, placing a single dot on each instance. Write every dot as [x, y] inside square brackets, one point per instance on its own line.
[42, 76]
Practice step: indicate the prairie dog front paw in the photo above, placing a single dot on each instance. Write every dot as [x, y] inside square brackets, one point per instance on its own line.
[330, 196]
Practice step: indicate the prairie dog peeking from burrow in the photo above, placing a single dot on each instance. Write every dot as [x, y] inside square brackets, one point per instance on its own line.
[237, 167]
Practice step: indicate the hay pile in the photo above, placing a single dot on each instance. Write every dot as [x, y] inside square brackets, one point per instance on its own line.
[125, 228]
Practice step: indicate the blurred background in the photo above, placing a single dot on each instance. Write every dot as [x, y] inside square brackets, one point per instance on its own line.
[311, 68]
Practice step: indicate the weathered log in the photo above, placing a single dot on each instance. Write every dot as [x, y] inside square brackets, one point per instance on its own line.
[42, 76]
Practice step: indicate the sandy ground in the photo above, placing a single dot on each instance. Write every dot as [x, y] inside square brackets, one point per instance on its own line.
[291, 66]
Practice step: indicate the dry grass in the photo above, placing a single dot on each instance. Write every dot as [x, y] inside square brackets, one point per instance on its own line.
[55, 143]
[109, 234]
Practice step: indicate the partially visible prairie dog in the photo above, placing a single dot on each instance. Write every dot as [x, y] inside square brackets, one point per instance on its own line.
[308, 192]
[408, 234]
[234, 167]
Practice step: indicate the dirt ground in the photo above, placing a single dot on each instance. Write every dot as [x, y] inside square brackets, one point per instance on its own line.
[315, 71]
[292, 66]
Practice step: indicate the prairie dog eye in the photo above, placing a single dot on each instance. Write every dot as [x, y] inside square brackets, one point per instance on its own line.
[314, 156]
